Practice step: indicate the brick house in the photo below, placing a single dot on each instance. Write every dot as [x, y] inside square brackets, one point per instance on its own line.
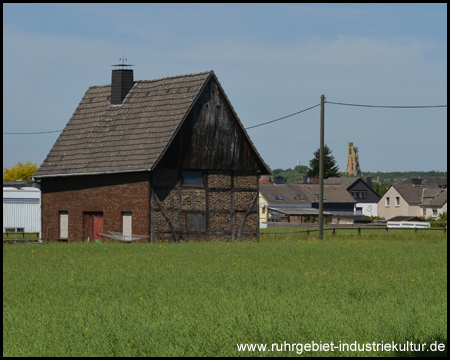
[168, 159]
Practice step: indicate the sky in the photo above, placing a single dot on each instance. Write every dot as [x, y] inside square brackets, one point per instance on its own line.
[272, 60]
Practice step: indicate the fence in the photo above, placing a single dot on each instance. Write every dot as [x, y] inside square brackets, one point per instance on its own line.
[20, 237]
[359, 229]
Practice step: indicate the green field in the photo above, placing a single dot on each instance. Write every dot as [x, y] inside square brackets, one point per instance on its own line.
[202, 299]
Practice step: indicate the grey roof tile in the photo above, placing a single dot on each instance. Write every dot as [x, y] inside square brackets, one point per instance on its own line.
[101, 137]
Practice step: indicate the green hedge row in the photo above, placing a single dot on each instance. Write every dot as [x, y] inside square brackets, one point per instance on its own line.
[439, 224]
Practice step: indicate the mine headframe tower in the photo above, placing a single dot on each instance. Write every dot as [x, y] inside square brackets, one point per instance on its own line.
[353, 161]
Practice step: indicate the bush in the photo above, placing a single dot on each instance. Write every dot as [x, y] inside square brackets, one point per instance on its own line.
[438, 224]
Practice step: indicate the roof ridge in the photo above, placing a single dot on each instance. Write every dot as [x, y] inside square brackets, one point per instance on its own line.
[178, 76]
[159, 79]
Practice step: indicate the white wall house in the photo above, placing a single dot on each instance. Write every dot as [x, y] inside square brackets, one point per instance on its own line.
[21, 209]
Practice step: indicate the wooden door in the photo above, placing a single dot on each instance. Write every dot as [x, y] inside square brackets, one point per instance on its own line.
[93, 225]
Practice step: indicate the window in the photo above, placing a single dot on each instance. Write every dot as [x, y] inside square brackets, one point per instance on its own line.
[435, 213]
[277, 197]
[192, 178]
[195, 222]
[359, 194]
[299, 197]
[63, 225]
[318, 196]
[126, 216]
[397, 201]
[359, 211]
[263, 210]
[387, 202]
[424, 212]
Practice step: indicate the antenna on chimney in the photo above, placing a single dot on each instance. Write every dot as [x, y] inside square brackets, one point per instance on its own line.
[123, 62]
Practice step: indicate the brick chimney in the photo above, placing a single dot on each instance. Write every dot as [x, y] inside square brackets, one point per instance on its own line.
[121, 83]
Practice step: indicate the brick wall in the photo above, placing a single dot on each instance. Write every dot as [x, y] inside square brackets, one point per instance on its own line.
[223, 200]
[110, 194]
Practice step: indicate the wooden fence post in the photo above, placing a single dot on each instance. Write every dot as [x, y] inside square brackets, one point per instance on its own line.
[359, 231]
[333, 231]
[386, 229]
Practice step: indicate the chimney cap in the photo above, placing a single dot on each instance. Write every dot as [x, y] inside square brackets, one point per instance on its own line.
[123, 62]
[123, 65]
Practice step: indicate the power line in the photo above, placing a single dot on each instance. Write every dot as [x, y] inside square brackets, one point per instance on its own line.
[32, 133]
[284, 117]
[388, 106]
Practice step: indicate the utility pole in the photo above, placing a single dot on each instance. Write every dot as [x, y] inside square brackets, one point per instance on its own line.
[322, 132]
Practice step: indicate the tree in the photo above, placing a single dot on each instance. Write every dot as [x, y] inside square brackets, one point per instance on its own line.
[302, 169]
[277, 171]
[19, 171]
[379, 189]
[330, 169]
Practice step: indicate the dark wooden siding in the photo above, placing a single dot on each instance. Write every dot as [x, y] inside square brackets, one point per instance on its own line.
[372, 196]
[211, 138]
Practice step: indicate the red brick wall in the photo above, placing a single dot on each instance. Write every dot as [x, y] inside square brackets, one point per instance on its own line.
[228, 195]
[111, 194]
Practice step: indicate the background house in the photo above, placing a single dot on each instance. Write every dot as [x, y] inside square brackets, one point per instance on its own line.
[434, 203]
[21, 206]
[362, 191]
[300, 202]
[412, 200]
[166, 158]
[427, 181]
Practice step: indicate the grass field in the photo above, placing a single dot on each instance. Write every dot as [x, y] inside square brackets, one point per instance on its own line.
[202, 299]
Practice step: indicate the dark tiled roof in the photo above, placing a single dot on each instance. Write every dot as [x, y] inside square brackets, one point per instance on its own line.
[428, 181]
[438, 199]
[412, 194]
[289, 192]
[420, 195]
[102, 138]
[344, 181]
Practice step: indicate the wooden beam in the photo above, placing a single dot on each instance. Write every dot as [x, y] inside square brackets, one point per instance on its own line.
[152, 216]
[163, 211]
[205, 183]
[180, 207]
[241, 226]
[232, 206]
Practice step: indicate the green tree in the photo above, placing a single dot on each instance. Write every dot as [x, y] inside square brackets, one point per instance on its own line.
[19, 171]
[330, 169]
[379, 189]
[302, 169]
[277, 171]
